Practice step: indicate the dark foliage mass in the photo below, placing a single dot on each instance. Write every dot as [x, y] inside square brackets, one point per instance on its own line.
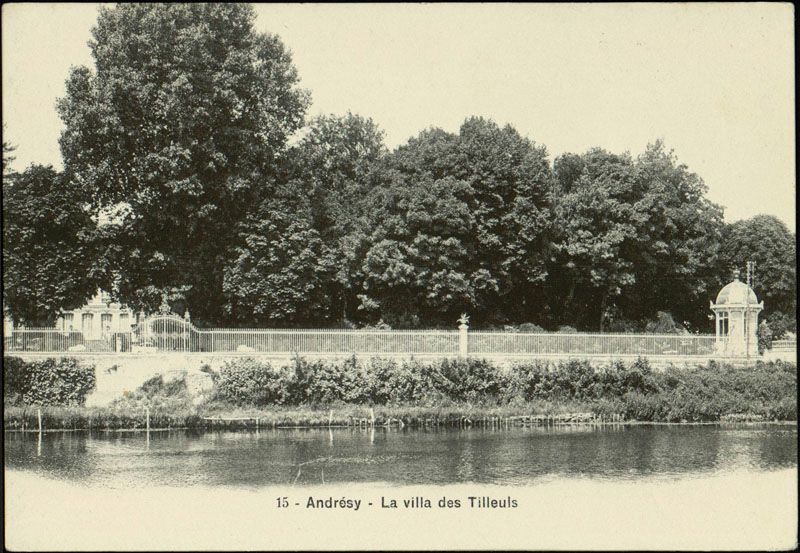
[766, 241]
[51, 247]
[180, 124]
[701, 393]
[46, 382]
[182, 178]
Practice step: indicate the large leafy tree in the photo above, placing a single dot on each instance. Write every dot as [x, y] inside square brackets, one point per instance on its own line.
[595, 235]
[417, 270]
[179, 124]
[282, 267]
[50, 245]
[335, 158]
[678, 258]
[298, 254]
[765, 240]
[511, 179]
[336, 162]
[461, 224]
[633, 237]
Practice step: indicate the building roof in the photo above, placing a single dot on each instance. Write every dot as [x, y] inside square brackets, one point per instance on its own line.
[736, 293]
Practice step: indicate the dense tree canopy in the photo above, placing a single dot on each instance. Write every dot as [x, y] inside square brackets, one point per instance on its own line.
[595, 236]
[189, 171]
[49, 247]
[336, 161]
[302, 248]
[282, 267]
[765, 240]
[417, 268]
[181, 121]
[633, 237]
[678, 249]
[459, 222]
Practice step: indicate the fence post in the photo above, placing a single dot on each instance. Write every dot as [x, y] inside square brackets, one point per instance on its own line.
[187, 331]
[463, 335]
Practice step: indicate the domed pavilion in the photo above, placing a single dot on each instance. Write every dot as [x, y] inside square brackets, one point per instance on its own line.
[736, 310]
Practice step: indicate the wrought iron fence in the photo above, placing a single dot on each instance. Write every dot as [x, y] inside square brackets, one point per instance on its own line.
[784, 345]
[329, 341]
[505, 343]
[43, 339]
[165, 334]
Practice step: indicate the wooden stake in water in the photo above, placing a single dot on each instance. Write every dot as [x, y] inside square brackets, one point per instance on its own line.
[147, 434]
[330, 419]
[39, 441]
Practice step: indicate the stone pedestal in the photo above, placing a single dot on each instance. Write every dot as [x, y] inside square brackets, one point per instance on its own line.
[463, 340]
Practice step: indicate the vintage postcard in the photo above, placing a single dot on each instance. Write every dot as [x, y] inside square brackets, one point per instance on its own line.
[397, 277]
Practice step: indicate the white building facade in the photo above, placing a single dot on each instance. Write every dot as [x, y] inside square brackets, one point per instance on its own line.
[736, 311]
[99, 319]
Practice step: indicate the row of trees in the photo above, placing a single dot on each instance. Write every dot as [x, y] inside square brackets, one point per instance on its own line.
[180, 178]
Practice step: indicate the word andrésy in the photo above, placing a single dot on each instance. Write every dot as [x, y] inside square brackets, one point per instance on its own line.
[333, 503]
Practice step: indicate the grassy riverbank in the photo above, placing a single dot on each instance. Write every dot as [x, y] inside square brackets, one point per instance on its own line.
[104, 418]
[446, 393]
[232, 417]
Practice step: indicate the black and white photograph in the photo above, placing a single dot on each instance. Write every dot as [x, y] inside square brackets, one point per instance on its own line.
[403, 276]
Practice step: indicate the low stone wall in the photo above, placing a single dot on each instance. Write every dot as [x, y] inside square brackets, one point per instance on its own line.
[116, 379]
[788, 355]
[118, 373]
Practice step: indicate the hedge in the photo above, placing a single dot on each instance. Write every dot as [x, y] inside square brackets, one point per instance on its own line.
[46, 382]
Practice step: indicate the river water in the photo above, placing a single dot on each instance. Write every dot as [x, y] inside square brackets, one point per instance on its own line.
[301, 457]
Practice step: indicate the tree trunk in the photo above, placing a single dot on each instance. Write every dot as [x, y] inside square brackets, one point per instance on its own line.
[565, 318]
[603, 309]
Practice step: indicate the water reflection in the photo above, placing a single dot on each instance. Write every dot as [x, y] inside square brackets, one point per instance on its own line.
[428, 456]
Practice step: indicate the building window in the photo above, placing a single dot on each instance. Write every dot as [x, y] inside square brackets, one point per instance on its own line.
[67, 321]
[124, 322]
[723, 323]
[105, 323]
[86, 323]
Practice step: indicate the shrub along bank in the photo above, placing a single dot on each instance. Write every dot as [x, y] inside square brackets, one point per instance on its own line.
[306, 392]
[46, 382]
[700, 393]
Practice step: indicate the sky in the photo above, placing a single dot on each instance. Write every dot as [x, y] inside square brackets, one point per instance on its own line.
[714, 81]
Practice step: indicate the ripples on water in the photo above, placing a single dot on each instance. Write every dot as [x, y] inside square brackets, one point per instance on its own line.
[514, 456]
